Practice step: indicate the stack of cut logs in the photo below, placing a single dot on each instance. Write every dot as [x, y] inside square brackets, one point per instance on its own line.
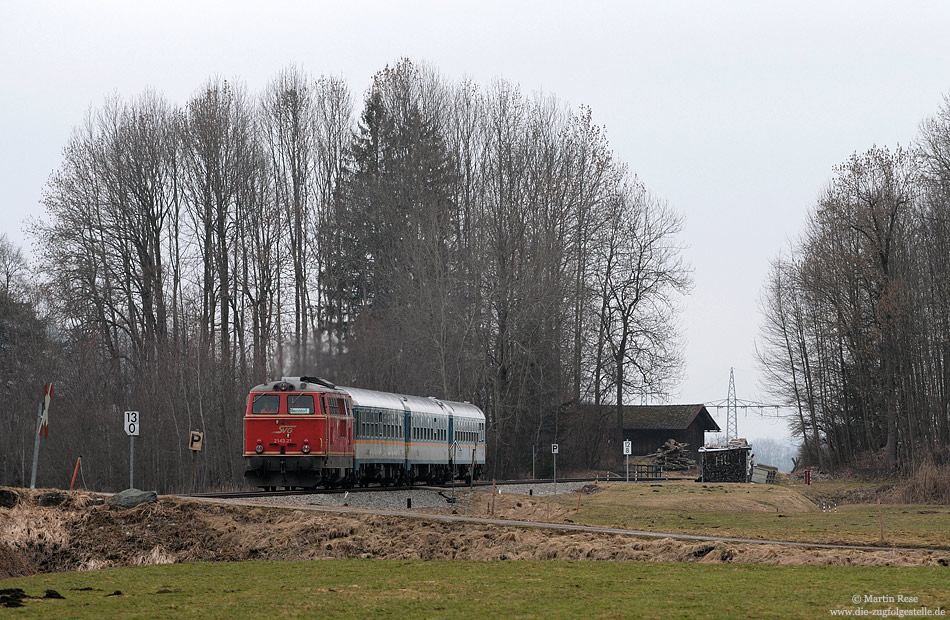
[672, 456]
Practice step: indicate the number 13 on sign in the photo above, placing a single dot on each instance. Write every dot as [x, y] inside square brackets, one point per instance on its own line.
[132, 423]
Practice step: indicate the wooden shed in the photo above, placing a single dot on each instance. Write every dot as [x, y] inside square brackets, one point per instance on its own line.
[648, 426]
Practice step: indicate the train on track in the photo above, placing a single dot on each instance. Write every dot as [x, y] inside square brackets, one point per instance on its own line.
[306, 432]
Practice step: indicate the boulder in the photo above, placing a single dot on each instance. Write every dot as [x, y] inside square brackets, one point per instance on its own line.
[52, 498]
[8, 498]
[130, 498]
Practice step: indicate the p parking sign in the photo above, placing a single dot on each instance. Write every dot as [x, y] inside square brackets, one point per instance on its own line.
[553, 448]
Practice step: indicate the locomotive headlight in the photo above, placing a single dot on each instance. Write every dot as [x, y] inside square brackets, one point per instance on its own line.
[306, 446]
[259, 448]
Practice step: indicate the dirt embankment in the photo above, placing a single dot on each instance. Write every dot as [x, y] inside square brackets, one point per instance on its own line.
[78, 536]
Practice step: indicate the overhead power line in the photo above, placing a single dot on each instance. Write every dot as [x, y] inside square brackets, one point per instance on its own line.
[733, 404]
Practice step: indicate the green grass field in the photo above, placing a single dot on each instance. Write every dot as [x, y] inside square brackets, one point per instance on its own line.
[759, 511]
[417, 589]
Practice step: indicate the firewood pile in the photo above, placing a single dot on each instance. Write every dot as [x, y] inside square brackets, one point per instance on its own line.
[725, 464]
[673, 456]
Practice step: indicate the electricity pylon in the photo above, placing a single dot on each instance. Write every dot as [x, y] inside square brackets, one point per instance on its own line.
[733, 404]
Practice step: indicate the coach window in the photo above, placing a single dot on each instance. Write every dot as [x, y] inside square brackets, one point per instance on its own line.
[299, 404]
[265, 403]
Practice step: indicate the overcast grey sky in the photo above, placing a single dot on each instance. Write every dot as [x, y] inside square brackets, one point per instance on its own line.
[734, 112]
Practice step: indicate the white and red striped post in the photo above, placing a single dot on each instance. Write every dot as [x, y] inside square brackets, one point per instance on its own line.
[42, 425]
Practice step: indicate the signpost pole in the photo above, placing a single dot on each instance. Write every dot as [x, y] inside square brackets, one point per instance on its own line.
[627, 451]
[42, 427]
[191, 486]
[534, 451]
[36, 446]
[194, 444]
[452, 450]
[554, 450]
[131, 461]
[131, 426]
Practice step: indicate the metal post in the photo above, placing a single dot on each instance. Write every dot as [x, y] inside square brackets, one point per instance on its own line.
[452, 450]
[75, 471]
[628, 468]
[194, 457]
[534, 452]
[555, 473]
[36, 446]
[131, 461]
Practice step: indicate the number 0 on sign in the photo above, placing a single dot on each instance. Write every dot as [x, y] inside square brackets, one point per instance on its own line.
[132, 423]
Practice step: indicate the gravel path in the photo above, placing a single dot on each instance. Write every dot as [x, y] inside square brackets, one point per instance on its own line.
[421, 497]
[312, 503]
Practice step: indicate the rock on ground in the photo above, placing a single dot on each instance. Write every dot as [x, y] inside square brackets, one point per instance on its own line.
[8, 498]
[130, 498]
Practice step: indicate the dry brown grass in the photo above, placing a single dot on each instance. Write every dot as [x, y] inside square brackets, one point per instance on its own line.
[80, 536]
[930, 484]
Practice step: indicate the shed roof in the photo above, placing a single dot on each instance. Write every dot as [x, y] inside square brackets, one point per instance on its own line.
[667, 417]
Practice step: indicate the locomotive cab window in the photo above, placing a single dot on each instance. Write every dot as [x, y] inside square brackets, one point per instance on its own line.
[300, 404]
[265, 403]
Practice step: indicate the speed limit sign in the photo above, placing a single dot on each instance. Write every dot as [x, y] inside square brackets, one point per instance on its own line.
[132, 423]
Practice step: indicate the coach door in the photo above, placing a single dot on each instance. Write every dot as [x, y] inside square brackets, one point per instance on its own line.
[408, 431]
